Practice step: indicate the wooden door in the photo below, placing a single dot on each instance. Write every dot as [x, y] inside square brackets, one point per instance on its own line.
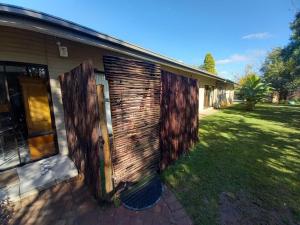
[36, 103]
[211, 97]
[206, 97]
[38, 117]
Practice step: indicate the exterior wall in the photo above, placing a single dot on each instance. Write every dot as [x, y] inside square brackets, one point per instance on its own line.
[201, 97]
[215, 98]
[30, 47]
[225, 95]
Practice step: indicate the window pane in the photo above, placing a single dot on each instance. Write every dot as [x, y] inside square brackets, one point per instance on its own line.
[15, 69]
[37, 72]
[3, 95]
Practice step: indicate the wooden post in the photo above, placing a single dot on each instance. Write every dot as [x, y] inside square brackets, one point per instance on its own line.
[105, 136]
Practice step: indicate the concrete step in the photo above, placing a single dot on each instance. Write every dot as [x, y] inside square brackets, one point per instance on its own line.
[38, 176]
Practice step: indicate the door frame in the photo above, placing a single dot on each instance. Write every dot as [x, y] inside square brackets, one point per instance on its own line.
[208, 96]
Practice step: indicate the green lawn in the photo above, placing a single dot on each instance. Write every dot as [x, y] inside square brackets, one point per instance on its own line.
[251, 158]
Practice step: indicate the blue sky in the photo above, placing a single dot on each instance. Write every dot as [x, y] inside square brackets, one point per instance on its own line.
[236, 32]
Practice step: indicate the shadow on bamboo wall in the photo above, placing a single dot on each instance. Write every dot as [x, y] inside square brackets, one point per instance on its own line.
[179, 116]
[134, 89]
[154, 118]
[82, 122]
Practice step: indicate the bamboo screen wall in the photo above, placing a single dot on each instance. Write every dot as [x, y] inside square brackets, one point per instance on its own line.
[179, 116]
[134, 88]
[82, 122]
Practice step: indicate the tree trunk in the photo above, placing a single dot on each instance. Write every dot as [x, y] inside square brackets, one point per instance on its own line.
[250, 105]
[275, 97]
[283, 94]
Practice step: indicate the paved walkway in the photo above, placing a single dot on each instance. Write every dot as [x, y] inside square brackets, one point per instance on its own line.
[70, 203]
[28, 179]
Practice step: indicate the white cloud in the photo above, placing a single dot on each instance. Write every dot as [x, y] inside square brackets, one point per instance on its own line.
[249, 56]
[257, 52]
[224, 72]
[232, 59]
[262, 35]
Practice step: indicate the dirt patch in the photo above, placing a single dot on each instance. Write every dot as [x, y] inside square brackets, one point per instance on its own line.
[241, 209]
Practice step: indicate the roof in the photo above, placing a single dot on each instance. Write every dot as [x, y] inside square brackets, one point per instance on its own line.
[19, 17]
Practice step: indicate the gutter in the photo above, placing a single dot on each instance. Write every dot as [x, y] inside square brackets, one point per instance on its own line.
[23, 18]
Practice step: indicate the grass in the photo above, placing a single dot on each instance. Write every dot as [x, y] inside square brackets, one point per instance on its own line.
[257, 153]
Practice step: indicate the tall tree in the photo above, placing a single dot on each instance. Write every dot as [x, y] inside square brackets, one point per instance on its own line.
[209, 64]
[282, 65]
[277, 71]
[292, 51]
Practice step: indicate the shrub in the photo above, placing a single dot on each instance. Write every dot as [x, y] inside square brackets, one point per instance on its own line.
[253, 90]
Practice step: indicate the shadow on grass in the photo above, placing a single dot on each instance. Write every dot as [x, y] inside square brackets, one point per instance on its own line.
[239, 151]
[286, 114]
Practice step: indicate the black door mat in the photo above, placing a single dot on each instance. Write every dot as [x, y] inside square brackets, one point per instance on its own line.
[142, 195]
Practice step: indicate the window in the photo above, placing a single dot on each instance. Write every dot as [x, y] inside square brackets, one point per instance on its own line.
[27, 130]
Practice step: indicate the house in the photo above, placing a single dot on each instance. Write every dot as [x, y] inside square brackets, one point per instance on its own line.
[61, 81]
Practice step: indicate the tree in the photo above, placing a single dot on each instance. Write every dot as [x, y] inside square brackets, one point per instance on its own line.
[248, 73]
[209, 64]
[277, 71]
[291, 53]
[253, 91]
[282, 65]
